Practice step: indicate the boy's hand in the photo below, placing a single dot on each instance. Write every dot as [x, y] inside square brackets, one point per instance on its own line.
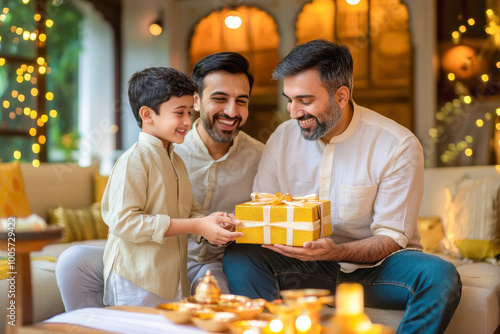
[217, 228]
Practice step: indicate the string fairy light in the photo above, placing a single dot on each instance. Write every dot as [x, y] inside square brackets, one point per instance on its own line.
[16, 103]
[459, 107]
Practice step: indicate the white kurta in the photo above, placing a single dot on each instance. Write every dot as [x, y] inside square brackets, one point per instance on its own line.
[218, 185]
[372, 173]
[147, 187]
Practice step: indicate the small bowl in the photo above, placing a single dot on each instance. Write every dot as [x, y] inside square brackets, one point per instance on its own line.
[178, 312]
[214, 321]
[242, 326]
[249, 310]
[229, 300]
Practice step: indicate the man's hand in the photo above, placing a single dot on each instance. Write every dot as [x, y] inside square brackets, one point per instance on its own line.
[318, 250]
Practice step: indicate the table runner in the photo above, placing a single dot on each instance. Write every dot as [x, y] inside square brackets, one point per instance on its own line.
[122, 321]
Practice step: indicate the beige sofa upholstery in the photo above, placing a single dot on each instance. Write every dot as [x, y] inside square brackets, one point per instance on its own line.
[479, 308]
[49, 186]
[72, 186]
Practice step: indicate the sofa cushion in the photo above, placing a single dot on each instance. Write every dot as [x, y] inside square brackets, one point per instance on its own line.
[79, 224]
[472, 217]
[13, 198]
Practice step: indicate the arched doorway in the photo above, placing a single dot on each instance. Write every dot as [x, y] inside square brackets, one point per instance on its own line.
[257, 39]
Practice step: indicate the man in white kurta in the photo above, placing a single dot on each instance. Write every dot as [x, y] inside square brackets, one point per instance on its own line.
[371, 169]
[219, 185]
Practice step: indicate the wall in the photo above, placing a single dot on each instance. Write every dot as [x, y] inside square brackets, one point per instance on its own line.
[140, 49]
[95, 88]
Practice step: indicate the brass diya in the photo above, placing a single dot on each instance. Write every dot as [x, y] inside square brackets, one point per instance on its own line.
[178, 312]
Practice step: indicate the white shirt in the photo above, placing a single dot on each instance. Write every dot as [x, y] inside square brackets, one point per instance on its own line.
[372, 173]
[147, 187]
[218, 185]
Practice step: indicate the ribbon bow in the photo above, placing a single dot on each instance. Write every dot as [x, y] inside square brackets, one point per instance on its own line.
[279, 198]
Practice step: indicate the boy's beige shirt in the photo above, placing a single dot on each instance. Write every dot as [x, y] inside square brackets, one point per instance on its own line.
[147, 187]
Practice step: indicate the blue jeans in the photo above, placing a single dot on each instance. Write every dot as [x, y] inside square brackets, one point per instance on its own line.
[427, 287]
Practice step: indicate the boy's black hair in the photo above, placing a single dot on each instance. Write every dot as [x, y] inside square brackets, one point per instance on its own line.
[155, 85]
[332, 61]
[230, 62]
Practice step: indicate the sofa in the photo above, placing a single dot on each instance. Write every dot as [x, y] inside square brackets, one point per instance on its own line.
[72, 186]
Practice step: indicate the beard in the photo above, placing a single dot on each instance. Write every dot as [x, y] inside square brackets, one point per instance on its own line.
[221, 136]
[323, 127]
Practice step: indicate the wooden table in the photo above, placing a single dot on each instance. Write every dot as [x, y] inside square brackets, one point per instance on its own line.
[19, 245]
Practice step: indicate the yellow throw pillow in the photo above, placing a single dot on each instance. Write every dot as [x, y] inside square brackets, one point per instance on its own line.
[79, 224]
[100, 182]
[431, 233]
[13, 199]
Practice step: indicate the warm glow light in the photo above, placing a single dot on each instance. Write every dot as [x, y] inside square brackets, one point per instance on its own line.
[49, 23]
[489, 12]
[5, 10]
[455, 34]
[471, 21]
[155, 29]
[467, 99]
[44, 118]
[303, 324]
[352, 2]
[36, 163]
[42, 37]
[485, 77]
[349, 299]
[12, 115]
[17, 155]
[40, 60]
[30, 69]
[40, 123]
[276, 326]
[19, 30]
[14, 93]
[498, 111]
[34, 91]
[33, 114]
[49, 96]
[469, 139]
[27, 111]
[26, 1]
[37, 17]
[451, 76]
[26, 35]
[113, 129]
[479, 123]
[462, 29]
[233, 20]
[53, 113]
[33, 36]
[33, 132]
[2, 61]
[21, 98]
[42, 139]
[19, 111]
[27, 77]
[19, 78]
[468, 152]
[498, 64]
[497, 126]
[6, 104]
[3, 17]
[42, 70]
[35, 148]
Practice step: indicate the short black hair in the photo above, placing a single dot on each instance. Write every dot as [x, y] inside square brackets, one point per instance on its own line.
[154, 85]
[332, 61]
[230, 62]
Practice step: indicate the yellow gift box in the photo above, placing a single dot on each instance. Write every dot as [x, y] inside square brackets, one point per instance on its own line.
[283, 219]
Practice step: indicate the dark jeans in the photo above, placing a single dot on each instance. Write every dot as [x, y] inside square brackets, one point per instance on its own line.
[426, 286]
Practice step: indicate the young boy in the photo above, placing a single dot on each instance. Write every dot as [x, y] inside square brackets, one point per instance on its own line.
[148, 203]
